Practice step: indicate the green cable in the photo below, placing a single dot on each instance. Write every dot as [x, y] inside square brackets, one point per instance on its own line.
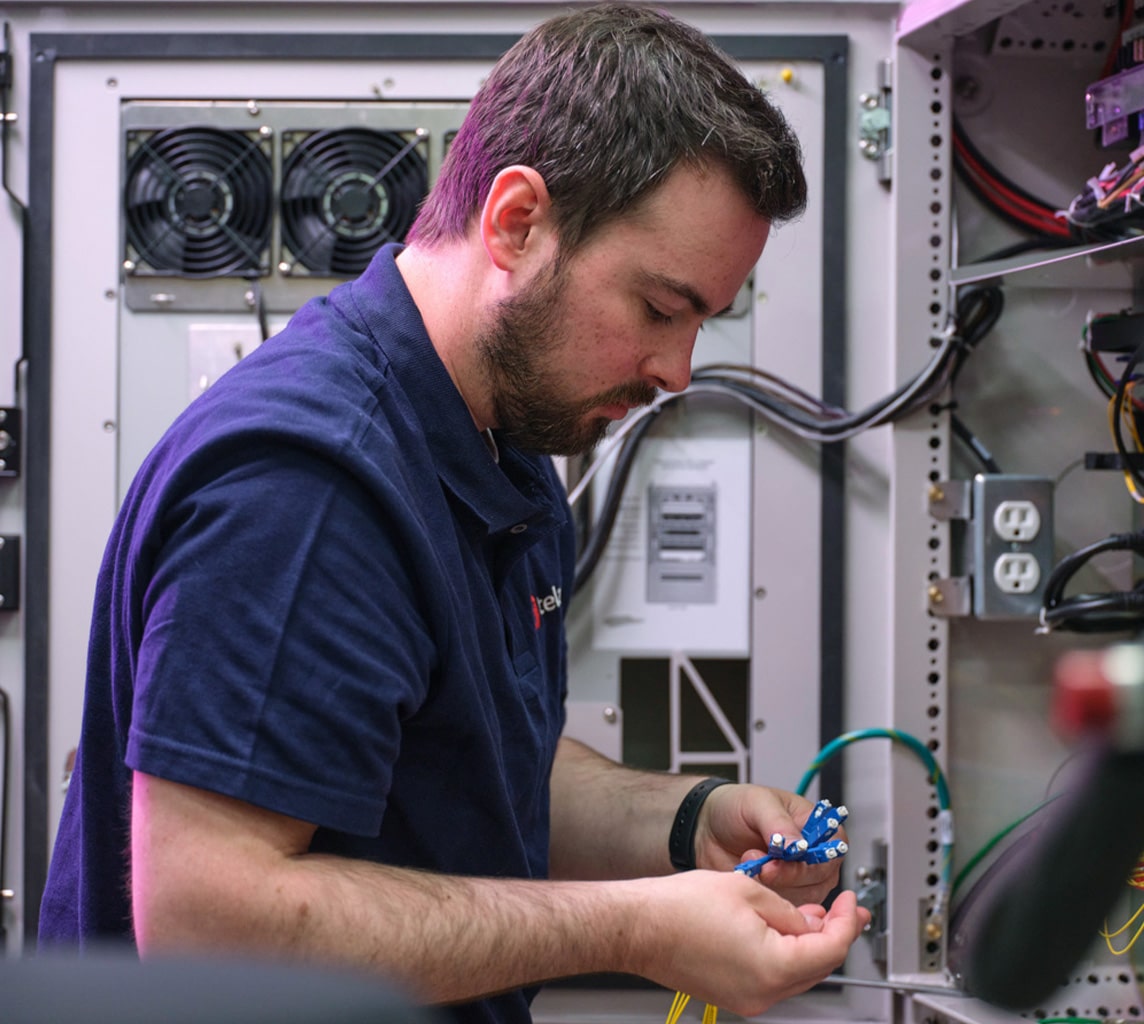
[988, 847]
[933, 770]
[835, 746]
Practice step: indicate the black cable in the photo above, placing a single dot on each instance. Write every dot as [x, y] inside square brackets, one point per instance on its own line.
[823, 422]
[1114, 612]
[1111, 612]
[991, 169]
[978, 310]
[597, 540]
[259, 304]
[843, 423]
[969, 439]
[1093, 366]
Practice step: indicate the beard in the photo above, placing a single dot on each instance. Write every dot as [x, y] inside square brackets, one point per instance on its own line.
[531, 410]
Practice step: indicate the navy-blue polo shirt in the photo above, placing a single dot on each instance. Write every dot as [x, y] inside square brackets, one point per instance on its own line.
[324, 596]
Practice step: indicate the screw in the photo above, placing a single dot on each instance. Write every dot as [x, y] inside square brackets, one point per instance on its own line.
[966, 87]
[610, 715]
[935, 595]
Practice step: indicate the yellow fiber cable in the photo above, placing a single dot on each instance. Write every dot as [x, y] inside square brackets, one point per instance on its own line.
[1128, 480]
[679, 1004]
[1109, 936]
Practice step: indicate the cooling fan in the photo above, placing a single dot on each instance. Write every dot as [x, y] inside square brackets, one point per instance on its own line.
[345, 193]
[198, 202]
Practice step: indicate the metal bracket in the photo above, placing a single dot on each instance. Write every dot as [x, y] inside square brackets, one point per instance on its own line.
[11, 437]
[871, 893]
[875, 121]
[950, 597]
[9, 572]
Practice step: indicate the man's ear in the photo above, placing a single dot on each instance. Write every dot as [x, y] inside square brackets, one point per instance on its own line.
[516, 220]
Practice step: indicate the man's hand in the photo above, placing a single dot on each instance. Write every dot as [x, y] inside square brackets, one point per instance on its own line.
[736, 823]
[724, 938]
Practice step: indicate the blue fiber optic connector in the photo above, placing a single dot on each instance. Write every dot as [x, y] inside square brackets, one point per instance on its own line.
[817, 844]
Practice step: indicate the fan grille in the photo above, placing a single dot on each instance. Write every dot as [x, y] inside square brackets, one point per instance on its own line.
[345, 193]
[198, 202]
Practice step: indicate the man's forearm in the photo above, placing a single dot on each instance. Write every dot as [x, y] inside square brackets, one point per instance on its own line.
[210, 873]
[609, 821]
[443, 939]
[213, 873]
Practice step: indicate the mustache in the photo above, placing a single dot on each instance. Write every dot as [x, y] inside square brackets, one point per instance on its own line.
[633, 394]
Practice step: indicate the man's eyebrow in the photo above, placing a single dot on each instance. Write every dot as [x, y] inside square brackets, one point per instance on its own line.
[682, 289]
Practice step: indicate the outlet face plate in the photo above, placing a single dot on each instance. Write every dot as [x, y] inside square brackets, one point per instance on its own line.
[1012, 544]
[1017, 572]
[1017, 520]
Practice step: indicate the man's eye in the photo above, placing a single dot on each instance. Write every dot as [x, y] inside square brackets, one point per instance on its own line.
[657, 315]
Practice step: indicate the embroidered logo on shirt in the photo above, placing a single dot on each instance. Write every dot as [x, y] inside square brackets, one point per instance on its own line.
[543, 605]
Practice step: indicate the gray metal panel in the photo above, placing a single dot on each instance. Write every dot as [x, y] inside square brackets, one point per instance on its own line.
[921, 545]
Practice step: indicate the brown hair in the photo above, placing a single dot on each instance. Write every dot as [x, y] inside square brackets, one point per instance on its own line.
[604, 103]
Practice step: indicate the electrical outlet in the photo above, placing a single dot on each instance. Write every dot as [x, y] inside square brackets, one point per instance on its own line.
[1017, 520]
[1017, 572]
[1011, 544]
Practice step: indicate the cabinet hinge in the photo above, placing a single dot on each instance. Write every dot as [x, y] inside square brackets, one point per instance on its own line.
[875, 121]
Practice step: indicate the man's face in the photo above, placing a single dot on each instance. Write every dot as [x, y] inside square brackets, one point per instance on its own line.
[593, 336]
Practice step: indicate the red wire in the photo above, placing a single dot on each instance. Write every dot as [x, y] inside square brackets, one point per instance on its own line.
[1013, 203]
[1125, 21]
[966, 154]
[1004, 204]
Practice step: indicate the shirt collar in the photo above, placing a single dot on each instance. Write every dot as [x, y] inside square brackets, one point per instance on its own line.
[504, 495]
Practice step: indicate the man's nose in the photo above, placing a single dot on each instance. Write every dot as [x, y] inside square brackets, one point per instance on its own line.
[670, 369]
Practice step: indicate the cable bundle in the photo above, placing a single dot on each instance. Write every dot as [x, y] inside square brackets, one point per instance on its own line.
[679, 1004]
[1110, 206]
[777, 400]
[1093, 613]
[1013, 203]
[1125, 409]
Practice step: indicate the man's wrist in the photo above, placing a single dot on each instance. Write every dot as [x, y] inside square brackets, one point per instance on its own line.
[681, 841]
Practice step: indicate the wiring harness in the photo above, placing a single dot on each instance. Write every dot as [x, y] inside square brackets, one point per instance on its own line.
[1011, 202]
[773, 398]
[1093, 613]
[1110, 207]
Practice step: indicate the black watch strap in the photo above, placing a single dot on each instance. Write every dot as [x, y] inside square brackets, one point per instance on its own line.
[681, 842]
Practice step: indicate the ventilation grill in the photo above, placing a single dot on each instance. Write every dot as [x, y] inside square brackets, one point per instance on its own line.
[345, 193]
[198, 202]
